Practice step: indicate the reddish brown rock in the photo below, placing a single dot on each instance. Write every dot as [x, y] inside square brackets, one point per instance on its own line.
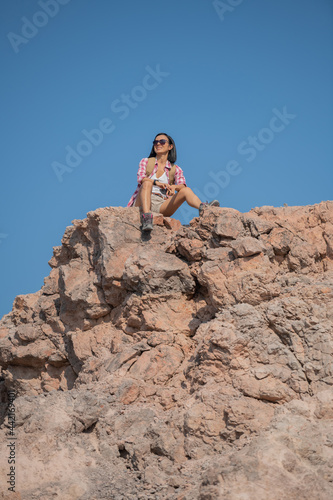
[191, 364]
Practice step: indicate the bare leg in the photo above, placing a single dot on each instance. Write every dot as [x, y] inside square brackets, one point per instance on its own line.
[169, 207]
[143, 199]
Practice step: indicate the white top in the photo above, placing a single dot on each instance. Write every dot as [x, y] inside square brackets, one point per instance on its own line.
[163, 178]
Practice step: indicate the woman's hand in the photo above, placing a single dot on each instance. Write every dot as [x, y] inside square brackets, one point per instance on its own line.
[161, 185]
[171, 189]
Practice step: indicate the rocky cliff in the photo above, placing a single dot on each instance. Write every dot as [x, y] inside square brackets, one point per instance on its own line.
[194, 364]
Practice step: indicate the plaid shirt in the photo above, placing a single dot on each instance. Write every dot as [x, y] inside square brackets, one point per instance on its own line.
[179, 176]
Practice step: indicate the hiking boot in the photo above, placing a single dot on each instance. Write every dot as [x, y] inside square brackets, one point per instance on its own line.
[147, 221]
[213, 203]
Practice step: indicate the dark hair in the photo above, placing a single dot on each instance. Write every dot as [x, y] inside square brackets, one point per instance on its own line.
[172, 156]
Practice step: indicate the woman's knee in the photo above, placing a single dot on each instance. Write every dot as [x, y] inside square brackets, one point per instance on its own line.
[186, 191]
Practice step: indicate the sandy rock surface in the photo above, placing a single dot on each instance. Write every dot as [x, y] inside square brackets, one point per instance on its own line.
[193, 364]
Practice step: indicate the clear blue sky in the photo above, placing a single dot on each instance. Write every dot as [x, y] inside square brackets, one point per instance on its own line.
[244, 88]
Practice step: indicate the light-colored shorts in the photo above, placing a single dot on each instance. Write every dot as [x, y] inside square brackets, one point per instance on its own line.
[156, 202]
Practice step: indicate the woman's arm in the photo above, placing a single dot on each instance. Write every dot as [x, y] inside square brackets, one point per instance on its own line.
[142, 170]
[179, 177]
[179, 184]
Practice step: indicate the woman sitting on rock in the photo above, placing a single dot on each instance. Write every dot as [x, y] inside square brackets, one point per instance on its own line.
[161, 184]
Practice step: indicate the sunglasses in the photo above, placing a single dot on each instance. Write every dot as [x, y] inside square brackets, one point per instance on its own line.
[162, 142]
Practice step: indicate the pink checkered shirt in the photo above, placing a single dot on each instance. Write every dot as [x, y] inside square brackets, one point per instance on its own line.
[179, 177]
